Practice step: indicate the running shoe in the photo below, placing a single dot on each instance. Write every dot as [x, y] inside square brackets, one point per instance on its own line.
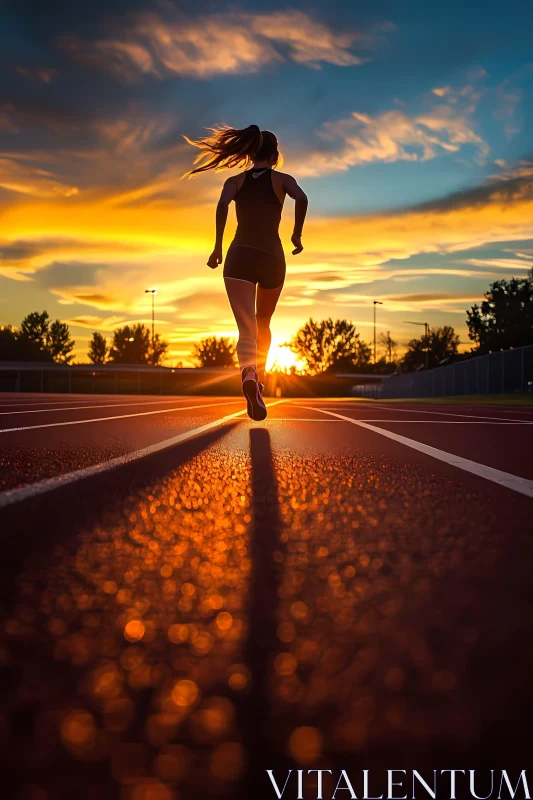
[251, 389]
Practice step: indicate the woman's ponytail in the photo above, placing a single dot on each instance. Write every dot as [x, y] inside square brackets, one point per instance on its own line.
[226, 148]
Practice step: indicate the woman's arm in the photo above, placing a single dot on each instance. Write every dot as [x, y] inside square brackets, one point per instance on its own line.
[229, 190]
[300, 210]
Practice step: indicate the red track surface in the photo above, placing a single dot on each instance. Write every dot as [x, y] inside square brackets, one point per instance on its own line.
[333, 598]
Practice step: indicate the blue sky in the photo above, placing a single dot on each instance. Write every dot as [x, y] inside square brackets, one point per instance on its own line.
[408, 125]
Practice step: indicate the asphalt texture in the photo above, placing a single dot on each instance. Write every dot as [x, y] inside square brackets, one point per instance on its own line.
[299, 593]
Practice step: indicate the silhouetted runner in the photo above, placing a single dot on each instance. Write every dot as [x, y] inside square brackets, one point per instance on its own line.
[254, 269]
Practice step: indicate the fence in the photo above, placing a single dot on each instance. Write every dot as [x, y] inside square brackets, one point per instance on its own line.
[506, 371]
[115, 379]
[125, 379]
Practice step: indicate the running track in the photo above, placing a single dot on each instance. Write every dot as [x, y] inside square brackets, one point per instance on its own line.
[191, 598]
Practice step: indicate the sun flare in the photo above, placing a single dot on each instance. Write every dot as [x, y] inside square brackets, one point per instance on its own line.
[280, 357]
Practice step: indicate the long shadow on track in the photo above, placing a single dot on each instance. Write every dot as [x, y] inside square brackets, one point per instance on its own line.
[262, 644]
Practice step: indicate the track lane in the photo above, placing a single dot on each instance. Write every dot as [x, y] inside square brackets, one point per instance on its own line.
[27, 456]
[372, 409]
[498, 443]
[50, 400]
[84, 419]
[356, 593]
[22, 494]
[49, 409]
[506, 479]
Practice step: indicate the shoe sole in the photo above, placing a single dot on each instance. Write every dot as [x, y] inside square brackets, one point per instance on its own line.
[256, 410]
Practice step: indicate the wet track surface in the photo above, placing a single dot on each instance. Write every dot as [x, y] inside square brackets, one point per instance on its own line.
[298, 593]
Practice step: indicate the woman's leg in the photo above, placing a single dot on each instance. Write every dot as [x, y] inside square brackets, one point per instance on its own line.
[241, 295]
[266, 305]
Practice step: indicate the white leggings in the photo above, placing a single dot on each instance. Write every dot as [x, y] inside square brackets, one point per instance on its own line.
[242, 301]
[253, 323]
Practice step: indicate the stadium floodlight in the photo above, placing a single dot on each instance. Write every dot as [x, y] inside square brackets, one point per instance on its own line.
[153, 292]
[376, 303]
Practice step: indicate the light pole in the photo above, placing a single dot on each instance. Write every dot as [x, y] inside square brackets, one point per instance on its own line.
[426, 328]
[153, 292]
[376, 303]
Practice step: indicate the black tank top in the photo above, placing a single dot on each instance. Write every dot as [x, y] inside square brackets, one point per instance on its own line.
[258, 212]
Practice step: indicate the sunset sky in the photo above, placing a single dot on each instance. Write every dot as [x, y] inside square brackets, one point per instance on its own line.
[408, 124]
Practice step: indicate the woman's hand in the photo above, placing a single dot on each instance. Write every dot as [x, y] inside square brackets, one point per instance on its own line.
[215, 258]
[297, 242]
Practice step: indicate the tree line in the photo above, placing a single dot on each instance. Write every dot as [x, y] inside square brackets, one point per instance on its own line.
[503, 319]
[326, 346]
[131, 344]
[39, 339]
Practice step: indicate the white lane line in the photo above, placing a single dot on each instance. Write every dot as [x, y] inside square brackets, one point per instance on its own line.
[485, 406]
[81, 408]
[514, 482]
[440, 413]
[12, 496]
[452, 421]
[118, 416]
[92, 399]
[22, 403]
[402, 421]
[436, 413]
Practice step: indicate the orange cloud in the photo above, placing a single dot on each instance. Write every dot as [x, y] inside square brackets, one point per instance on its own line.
[309, 42]
[25, 178]
[133, 246]
[226, 43]
[105, 324]
[452, 303]
[456, 223]
[137, 235]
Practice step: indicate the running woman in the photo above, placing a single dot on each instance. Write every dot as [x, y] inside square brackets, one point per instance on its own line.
[254, 269]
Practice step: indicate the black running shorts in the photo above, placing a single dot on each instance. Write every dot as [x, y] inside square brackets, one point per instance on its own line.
[247, 263]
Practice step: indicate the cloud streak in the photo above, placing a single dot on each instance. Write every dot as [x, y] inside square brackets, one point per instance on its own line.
[392, 136]
[451, 303]
[217, 44]
[25, 178]
[396, 135]
[346, 247]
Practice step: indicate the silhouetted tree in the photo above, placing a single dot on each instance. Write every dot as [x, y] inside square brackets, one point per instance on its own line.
[53, 338]
[35, 326]
[158, 350]
[130, 345]
[59, 342]
[505, 317]
[439, 344]
[17, 346]
[97, 348]
[329, 345]
[390, 346]
[214, 351]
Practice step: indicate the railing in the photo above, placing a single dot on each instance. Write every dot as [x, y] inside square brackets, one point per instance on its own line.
[131, 379]
[115, 379]
[506, 371]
